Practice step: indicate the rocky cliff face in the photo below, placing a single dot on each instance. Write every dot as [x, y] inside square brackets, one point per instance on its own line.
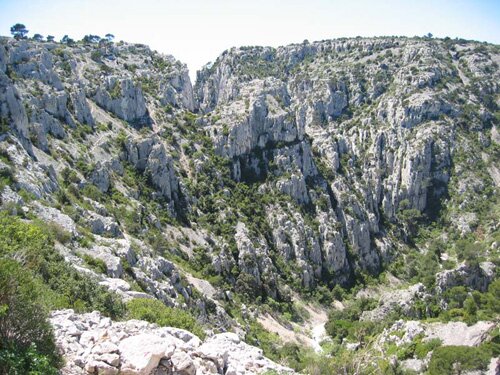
[283, 170]
[362, 130]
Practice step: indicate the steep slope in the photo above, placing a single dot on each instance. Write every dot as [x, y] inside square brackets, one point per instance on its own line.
[361, 134]
[284, 174]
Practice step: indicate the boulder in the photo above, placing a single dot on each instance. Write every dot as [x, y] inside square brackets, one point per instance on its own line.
[140, 354]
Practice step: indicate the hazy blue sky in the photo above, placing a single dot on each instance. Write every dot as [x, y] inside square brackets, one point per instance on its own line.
[197, 31]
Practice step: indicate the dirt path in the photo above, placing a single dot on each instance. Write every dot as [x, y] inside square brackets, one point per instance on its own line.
[316, 322]
[311, 333]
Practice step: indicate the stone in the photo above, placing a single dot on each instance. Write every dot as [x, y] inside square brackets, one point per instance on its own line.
[402, 299]
[111, 359]
[114, 268]
[53, 215]
[140, 348]
[103, 225]
[353, 346]
[458, 333]
[105, 347]
[227, 351]
[82, 109]
[414, 364]
[475, 277]
[100, 178]
[100, 368]
[182, 363]
[140, 354]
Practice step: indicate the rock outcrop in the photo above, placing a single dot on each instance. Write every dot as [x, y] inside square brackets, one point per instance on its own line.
[125, 100]
[93, 344]
[476, 277]
[398, 300]
[403, 333]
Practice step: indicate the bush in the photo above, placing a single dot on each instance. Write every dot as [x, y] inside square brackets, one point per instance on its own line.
[27, 343]
[154, 311]
[30, 361]
[447, 359]
[31, 244]
[338, 328]
[269, 342]
[424, 347]
[345, 323]
[56, 232]
[96, 264]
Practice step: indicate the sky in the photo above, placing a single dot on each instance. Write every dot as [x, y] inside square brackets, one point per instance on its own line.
[197, 31]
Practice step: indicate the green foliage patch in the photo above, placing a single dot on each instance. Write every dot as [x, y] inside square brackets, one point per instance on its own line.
[154, 311]
[447, 359]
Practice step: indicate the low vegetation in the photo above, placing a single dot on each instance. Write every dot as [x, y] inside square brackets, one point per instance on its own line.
[154, 311]
[34, 280]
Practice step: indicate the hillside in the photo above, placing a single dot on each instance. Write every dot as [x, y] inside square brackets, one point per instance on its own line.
[352, 177]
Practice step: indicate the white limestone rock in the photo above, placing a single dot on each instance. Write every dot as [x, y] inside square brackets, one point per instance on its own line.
[140, 354]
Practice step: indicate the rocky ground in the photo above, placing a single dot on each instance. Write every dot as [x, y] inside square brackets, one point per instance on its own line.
[93, 344]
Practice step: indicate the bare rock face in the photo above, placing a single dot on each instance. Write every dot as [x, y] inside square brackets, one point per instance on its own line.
[362, 134]
[403, 300]
[142, 353]
[178, 91]
[254, 261]
[275, 121]
[149, 156]
[310, 165]
[124, 99]
[477, 277]
[100, 178]
[49, 214]
[81, 107]
[447, 334]
[92, 344]
[260, 118]
[12, 108]
[451, 333]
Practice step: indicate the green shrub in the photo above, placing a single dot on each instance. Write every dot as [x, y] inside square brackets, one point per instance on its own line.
[424, 347]
[345, 323]
[450, 359]
[116, 91]
[30, 361]
[55, 231]
[155, 311]
[61, 285]
[6, 177]
[27, 343]
[455, 297]
[96, 55]
[92, 192]
[96, 264]
[26, 195]
[269, 342]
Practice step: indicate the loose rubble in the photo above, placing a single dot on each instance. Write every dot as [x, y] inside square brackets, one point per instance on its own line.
[93, 344]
